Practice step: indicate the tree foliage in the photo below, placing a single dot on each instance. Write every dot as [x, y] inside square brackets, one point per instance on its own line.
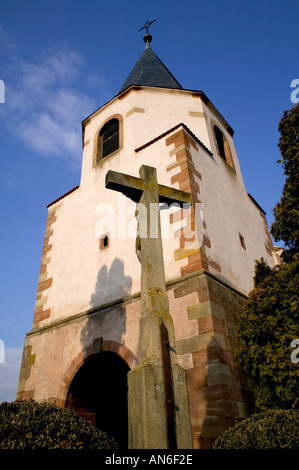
[269, 430]
[268, 324]
[286, 212]
[31, 425]
[270, 320]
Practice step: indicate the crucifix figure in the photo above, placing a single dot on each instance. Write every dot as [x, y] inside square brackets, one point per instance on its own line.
[157, 393]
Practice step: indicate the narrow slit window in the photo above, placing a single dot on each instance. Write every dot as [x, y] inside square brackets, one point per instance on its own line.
[242, 241]
[104, 242]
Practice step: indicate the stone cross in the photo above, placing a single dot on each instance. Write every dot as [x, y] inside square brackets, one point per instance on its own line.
[157, 393]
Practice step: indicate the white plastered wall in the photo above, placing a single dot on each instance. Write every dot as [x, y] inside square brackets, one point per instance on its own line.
[85, 276]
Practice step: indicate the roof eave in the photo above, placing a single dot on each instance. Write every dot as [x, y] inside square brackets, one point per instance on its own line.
[130, 88]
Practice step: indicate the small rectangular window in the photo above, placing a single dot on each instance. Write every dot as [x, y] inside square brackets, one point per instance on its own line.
[104, 242]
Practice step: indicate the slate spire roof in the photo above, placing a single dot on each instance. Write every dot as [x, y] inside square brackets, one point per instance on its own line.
[150, 71]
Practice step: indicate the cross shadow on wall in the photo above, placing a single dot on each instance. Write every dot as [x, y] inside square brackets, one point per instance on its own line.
[99, 389]
[111, 288]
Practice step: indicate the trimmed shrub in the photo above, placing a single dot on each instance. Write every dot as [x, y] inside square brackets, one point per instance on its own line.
[32, 425]
[274, 429]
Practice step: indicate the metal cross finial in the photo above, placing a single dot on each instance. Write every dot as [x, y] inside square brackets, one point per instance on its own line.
[147, 25]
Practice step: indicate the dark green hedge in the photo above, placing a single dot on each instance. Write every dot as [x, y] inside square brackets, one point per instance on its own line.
[275, 429]
[31, 425]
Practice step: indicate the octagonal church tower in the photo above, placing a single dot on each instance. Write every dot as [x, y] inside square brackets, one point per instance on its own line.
[85, 336]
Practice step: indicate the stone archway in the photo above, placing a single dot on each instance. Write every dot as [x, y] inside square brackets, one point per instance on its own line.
[98, 391]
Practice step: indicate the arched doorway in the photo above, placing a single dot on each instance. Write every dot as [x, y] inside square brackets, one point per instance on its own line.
[98, 392]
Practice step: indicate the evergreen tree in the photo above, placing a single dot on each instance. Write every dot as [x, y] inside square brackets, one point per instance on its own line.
[286, 212]
[268, 325]
[270, 320]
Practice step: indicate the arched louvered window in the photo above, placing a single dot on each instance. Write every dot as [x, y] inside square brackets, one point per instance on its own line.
[108, 141]
[223, 146]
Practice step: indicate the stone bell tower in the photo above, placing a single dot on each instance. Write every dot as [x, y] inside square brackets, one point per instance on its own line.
[85, 337]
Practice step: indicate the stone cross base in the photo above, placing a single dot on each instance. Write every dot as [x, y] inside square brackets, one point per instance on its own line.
[150, 426]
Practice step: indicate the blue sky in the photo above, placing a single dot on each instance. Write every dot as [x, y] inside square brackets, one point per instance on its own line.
[62, 60]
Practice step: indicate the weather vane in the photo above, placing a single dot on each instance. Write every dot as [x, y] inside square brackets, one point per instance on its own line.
[147, 25]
